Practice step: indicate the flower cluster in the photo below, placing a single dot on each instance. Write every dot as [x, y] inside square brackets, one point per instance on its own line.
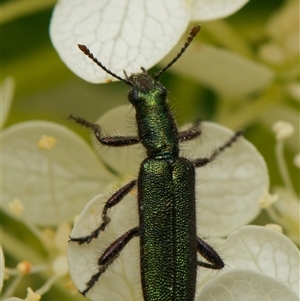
[50, 173]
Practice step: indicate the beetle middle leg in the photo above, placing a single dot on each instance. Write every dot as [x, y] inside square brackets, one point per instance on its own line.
[112, 201]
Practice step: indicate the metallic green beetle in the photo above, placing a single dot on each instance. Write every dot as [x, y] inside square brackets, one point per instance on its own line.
[166, 194]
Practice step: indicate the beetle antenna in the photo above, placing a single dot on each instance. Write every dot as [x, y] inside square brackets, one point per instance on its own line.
[87, 52]
[194, 31]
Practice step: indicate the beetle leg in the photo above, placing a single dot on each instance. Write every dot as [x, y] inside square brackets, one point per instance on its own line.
[206, 251]
[109, 255]
[204, 161]
[115, 141]
[112, 201]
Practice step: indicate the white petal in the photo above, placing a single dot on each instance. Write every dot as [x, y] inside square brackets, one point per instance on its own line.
[205, 10]
[228, 189]
[122, 34]
[246, 285]
[13, 299]
[229, 74]
[121, 281]
[266, 251]
[52, 184]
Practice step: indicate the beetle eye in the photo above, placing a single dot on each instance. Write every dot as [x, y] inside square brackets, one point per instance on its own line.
[133, 96]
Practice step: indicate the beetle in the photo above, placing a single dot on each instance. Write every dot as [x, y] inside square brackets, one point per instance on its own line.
[166, 193]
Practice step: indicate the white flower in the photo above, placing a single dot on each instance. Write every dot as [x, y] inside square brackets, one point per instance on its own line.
[54, 185]
[126, 35]
[261, 264]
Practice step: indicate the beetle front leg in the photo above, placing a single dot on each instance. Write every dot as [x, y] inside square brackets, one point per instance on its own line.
[115, 141]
